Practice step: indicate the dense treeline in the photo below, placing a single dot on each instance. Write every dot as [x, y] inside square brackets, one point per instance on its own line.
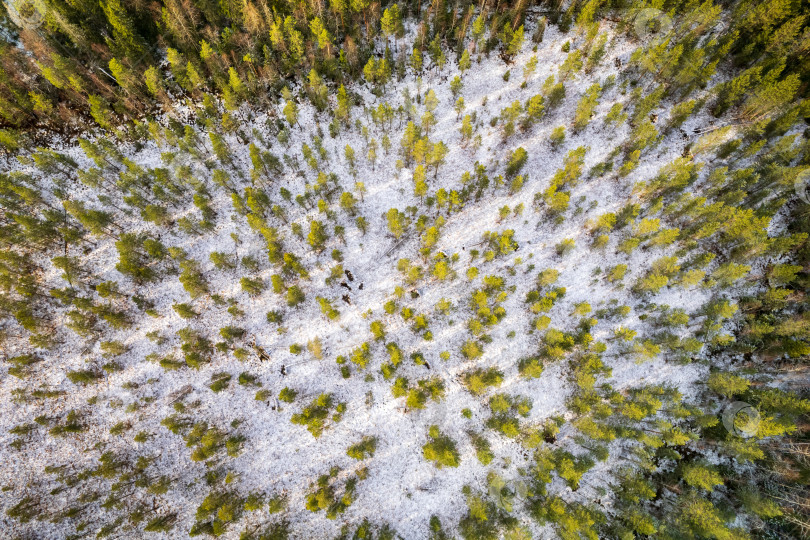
[106, 60]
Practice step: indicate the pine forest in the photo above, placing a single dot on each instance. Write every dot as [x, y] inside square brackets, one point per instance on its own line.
[424, 269]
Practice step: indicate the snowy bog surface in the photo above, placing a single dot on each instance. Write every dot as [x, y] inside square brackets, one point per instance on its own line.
[282, 458]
